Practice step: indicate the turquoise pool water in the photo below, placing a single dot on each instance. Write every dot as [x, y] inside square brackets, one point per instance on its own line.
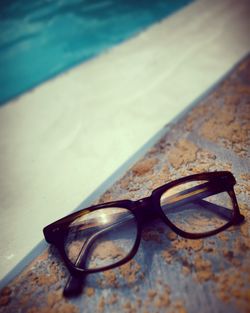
[41, 38]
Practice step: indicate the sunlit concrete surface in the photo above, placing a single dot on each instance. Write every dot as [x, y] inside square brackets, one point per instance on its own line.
[60, 141]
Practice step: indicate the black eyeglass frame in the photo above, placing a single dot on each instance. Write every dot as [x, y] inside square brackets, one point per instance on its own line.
[143, 210]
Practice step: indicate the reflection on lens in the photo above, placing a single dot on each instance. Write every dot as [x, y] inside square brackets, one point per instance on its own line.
[101, 238]
[197, 207]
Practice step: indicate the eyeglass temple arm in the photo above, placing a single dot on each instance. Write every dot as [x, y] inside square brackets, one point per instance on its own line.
[74, 283]
[215, 208]
[218, 209]
[195, 195]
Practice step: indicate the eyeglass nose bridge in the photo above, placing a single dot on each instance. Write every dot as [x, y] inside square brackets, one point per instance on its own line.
[145, 209]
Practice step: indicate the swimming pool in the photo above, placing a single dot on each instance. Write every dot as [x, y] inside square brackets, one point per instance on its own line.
[42, 38]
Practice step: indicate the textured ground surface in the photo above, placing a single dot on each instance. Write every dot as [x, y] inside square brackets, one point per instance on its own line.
[169, 273]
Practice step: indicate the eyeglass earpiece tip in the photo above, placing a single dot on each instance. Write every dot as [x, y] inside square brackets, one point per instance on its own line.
[73, 287]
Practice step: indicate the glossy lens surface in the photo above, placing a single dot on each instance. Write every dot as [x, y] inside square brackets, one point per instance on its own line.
[197, 206]
[101, 238]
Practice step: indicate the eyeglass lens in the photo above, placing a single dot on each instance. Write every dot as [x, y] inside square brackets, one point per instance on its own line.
[101, 238]
[197, 206]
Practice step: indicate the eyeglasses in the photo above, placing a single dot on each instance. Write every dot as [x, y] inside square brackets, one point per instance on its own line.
[108, 235]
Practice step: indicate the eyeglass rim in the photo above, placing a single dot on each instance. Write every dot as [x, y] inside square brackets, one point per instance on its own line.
[76, 270]
[227, 178]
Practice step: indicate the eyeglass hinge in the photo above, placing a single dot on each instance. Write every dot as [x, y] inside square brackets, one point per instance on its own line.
[239, 219]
